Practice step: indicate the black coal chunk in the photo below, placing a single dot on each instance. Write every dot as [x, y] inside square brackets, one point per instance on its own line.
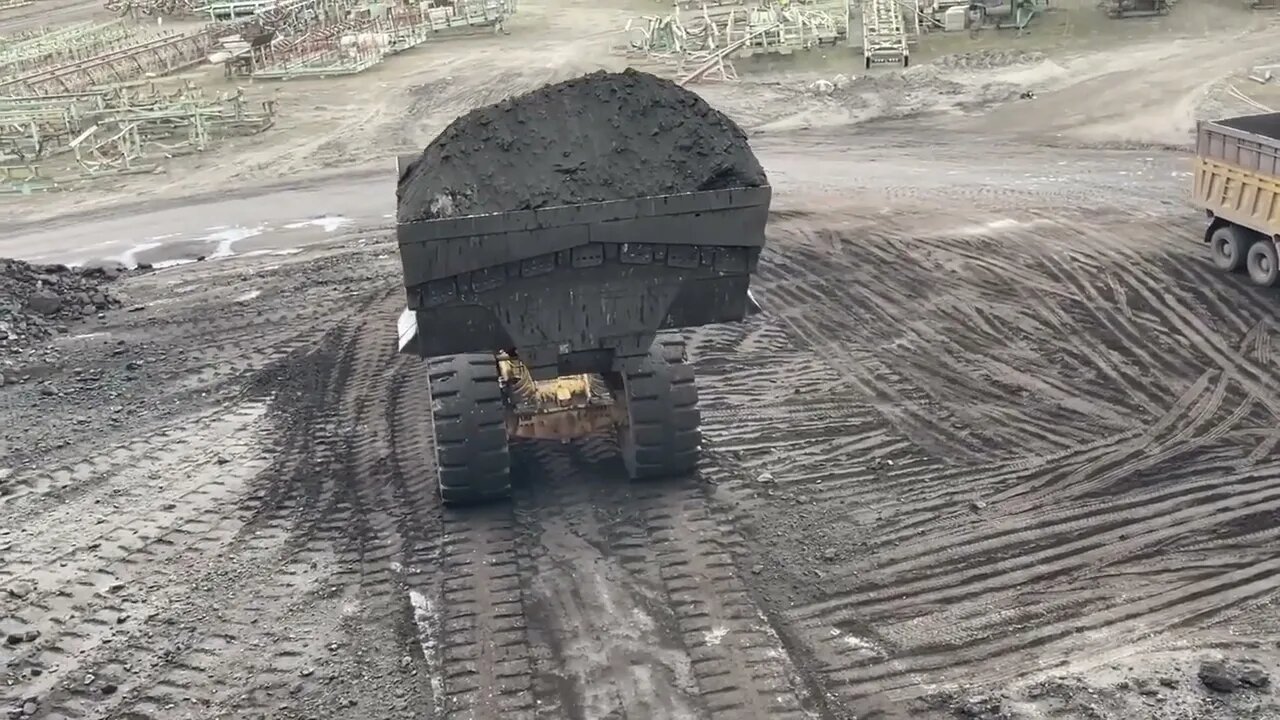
[603, 136]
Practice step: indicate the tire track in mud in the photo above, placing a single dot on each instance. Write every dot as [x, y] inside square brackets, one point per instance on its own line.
[346, 564]
[781, 428]
[249, 335]
[446, 599]
[607, 631]
[818, 312]
[27, 492]
[164, 562]
[694, 643]
[356, 534]
[1013, 577]
[191, 360]
[195, 473]
[736, 654]
[475, 619]
[81, 588]
[264, 562]
[485, 657]
[953, 377]
[464, 589]
[170, 663]
[463, 577]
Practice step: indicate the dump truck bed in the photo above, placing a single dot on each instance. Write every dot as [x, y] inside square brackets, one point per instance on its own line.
[1237, 175]
[591, 278]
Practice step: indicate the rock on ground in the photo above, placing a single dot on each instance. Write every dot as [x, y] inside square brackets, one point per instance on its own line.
[1236, 689]
[37, 301]
[603, 136]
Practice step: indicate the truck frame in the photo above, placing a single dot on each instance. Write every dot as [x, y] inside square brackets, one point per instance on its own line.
[1237, 184]
[558, 323]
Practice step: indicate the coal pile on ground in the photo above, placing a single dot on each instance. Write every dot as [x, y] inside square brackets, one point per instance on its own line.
[38, 301]
[603, 136]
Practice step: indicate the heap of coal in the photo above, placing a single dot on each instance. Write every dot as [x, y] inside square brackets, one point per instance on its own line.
[603, 136]
[39, 301]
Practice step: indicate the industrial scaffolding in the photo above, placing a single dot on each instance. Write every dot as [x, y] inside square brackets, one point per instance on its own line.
[114, 61]
[704, 35]
[342, 38]
[116, 131]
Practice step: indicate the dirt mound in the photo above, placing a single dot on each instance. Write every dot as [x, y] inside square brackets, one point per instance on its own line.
[37, 301]
[603, 136]
[987, 59]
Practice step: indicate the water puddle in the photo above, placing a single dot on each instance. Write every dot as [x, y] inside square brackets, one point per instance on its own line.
[427, 620]
[227, 237]
[211, 243]
[129, 258]
[328, 223]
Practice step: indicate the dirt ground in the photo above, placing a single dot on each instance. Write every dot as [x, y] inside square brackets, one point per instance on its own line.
[1002, 445]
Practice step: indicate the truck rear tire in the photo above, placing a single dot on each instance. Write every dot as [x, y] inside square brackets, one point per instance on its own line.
[1263, 264]
[468, 416]
[1229, 246]
[663, 435]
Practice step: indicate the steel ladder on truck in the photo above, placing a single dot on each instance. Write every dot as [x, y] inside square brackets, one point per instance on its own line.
[884, 35]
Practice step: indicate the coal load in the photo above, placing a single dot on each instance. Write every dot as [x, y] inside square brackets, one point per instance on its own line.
[603, 136]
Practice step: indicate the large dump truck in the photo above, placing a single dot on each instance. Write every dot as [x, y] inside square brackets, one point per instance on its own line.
[557, 323]
[1237, 184]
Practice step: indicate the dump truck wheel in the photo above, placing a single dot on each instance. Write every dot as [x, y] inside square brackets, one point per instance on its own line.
[1263, 264]
[1229, 246]
[662, 436]
[468, 414]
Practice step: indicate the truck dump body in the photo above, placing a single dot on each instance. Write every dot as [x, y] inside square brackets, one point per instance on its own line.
[598, 277]
[1237, 176]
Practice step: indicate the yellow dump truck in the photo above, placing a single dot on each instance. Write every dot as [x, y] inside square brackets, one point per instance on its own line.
[1237, 183]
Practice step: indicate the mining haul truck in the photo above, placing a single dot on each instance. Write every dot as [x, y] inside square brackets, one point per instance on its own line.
[557, 323]
[1237, 184]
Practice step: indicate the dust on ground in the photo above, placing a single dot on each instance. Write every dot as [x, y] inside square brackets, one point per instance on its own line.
[1002, 445]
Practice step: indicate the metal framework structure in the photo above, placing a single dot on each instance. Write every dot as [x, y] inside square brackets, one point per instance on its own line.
[116, 131]
[146, 8]
[783, 30]
[342, 38]
[278, 15]
[57, 46]
[698, 33]
[884, 34]
[667, 40]
[123, 62]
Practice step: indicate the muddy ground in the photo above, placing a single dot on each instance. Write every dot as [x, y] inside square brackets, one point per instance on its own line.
[1003, 444]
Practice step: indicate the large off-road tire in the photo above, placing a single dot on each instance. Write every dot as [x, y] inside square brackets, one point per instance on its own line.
[1229, 245]
[468, 416]
[662, 436]
[1263, 264]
